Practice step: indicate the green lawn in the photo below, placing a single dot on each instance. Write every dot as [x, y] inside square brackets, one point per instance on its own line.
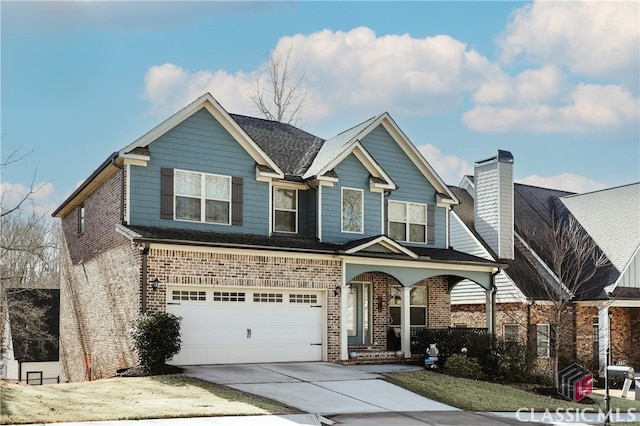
[128, 398]
[474, 395]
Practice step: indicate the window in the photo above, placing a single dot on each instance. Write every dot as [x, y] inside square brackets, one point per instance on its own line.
[188, 295]
[228, 296]
[417, 305]
[352, 202]
[542, 340]
[202, 197]
[510, 332]
[81, 217]
[408, 221]
[285, 210]
[303, 298]
[267, 297]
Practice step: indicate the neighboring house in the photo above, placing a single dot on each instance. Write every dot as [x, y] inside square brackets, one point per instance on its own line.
[499, 220]
[271, 243]
[28, 356]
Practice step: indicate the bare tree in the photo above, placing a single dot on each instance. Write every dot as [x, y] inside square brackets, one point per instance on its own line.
[278, 93]
[28, 259]
[573, 259]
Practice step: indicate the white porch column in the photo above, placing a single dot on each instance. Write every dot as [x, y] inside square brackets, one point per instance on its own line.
[490, 311]
[604, 339]
[344, 338]
[405, 329]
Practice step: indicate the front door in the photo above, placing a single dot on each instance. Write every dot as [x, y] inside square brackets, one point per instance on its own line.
[359, 313]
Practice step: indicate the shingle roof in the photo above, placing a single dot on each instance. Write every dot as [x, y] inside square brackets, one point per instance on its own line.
[334, 146]
[523, 276]
[615, 227]
[292, 149]
[27, 350]
[534, 211]
[286, 243]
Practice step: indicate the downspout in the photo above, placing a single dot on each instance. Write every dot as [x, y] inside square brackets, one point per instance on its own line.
[493, 292]
[143, 284]
[122, 188]
[19, 371]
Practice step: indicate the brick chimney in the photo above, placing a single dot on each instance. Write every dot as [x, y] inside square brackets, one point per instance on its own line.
[493, 202]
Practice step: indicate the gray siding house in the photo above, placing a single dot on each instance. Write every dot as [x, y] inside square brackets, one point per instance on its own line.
[272, 244]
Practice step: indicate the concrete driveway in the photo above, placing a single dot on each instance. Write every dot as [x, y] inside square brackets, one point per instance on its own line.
[322, 388]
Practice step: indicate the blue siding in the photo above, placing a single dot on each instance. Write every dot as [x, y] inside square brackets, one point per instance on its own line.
[351, 174]
[198, 144]
[412, 185]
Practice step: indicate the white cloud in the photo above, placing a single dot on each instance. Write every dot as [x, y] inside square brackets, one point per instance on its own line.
[588, 108]
[43, 200]
[564, 181]
[169, 87]
[531, 86]
[593, 38]
[449, 167]
[344, 72]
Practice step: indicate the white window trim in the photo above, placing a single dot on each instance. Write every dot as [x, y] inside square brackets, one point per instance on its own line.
[425, 307]
[407, 223]
[275, 188]
[547, 339]
[203, 198]
[504, 332]
[361, 231]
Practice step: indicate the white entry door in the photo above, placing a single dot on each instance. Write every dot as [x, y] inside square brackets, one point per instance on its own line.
[239, 325]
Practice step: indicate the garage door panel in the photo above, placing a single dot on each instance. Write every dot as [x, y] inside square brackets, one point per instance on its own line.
[244, 326]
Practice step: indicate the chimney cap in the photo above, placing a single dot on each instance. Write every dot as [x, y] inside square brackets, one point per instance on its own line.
[502, 157]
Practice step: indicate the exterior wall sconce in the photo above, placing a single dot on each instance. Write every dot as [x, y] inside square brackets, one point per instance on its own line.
[154, 283]
[336, 291]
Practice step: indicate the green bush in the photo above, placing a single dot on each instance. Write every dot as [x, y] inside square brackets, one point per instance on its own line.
[463, 366]
[156, 338]
[516, 361]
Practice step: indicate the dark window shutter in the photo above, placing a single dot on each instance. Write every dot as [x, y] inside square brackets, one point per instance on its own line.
[533, 339]
[431, 224]
[166, 193]
[236, 201]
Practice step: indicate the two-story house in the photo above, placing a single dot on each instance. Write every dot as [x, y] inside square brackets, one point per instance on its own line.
[501, 220]
[272, 244]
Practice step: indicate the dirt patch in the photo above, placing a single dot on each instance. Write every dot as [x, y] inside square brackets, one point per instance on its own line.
[139, 371]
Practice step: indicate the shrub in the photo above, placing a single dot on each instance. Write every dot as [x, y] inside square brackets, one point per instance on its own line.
[516, 361]
[463, 366]
[156, 338]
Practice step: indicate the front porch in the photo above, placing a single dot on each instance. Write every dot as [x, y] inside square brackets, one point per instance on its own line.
[381, 305]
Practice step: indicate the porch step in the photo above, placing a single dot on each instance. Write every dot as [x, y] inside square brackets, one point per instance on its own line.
[372, 356]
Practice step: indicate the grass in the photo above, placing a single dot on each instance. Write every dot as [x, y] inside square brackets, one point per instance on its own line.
[475, 395]
[129, 398]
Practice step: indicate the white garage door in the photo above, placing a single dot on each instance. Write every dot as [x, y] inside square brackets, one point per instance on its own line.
[239, 325]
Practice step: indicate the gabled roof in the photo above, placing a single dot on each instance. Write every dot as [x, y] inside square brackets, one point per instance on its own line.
[615, 225]
[378, 242]
[349, 140]
[535, 210]
[523, 276]
[207, 102]
[27, 350]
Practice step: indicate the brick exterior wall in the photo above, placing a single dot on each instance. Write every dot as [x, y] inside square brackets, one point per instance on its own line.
[206, 268]
[577, 333]
[99, 291]
[625, 336]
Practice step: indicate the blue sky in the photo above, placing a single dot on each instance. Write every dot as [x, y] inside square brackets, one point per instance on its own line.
[554, 83]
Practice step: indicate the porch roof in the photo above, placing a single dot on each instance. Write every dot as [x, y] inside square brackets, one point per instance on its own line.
[188, 237]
